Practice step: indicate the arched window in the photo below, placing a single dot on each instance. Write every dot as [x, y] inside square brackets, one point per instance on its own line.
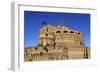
[65, 31]
[58, 31]
[71, 31]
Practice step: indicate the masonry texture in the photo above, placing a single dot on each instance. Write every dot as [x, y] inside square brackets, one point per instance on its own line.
[58, 43]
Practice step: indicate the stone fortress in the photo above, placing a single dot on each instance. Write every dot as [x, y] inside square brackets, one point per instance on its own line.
[57, 43]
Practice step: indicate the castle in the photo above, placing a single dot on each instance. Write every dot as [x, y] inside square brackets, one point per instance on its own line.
[58, 43]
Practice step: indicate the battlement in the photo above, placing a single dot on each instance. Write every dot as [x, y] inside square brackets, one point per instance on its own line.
[57, 43]
[51, 34]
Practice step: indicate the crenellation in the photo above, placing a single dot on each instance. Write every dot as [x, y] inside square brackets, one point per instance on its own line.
[58, 43]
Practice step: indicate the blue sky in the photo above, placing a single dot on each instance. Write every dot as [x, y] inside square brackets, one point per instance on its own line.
[33, 23]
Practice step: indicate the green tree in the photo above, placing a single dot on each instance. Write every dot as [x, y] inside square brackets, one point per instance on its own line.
[41, 53]
[45, 48]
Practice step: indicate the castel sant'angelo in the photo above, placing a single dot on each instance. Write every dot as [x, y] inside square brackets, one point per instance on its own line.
[57, 43]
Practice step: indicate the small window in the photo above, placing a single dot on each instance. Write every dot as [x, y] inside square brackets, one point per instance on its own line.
[47, 29]
[78, 33]
[58, 48]
[58, 31]
[81, 43]
[65, 31]
[36, 48]
[71, 32]
[54, 44]
[31, 54]
[46, 34]
[50, 53]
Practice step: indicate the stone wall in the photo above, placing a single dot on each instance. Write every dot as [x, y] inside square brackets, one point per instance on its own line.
[58, 43]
